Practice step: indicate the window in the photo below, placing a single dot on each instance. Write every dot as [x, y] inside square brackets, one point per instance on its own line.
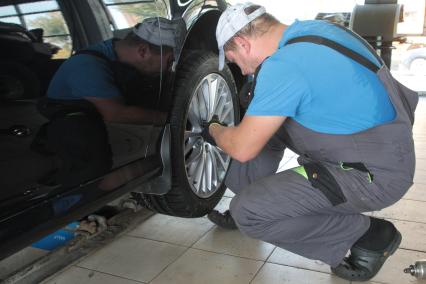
[7, 11]
[45, 15]
[127, 13]
[414, 17]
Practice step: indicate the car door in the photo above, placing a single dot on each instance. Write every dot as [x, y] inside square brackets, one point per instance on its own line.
[31, 198]
[34, 41]
[130, 142]
[27, 165]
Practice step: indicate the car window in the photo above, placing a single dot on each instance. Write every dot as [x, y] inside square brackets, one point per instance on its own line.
[41, 14]
[127, 13]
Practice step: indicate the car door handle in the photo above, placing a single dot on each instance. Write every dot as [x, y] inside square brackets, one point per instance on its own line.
[16, 130]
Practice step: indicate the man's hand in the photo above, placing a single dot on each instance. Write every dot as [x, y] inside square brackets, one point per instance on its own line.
[245, 141]
[206, 134]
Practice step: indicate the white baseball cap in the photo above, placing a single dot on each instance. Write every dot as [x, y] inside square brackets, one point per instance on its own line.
[232, 20]
[161, 31]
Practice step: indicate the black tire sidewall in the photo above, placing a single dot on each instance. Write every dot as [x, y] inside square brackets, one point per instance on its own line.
[200, 65]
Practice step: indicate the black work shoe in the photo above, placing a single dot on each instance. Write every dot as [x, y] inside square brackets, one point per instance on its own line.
[365, 261]
[223, 220]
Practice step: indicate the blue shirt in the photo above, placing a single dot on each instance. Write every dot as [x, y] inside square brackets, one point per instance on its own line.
[318, 87]
[85, 75]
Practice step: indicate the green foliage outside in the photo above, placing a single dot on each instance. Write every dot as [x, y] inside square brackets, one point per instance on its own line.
[139, 11]
[54, 24]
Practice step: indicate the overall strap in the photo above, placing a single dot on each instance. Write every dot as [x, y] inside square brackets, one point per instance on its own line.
[339, 48]
[361, 40]
[256, 72]
[405, 98]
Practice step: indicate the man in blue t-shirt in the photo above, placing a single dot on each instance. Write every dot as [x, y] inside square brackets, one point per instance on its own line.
[320, 91]
[93, 87]
[92, 75]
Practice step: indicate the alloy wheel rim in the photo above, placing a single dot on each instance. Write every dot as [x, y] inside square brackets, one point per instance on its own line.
[206, 165]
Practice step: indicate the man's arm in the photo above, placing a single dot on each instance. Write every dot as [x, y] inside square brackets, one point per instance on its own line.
[245, 141]
[114, 110]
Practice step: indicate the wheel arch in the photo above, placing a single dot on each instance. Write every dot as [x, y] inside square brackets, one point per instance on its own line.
[202, 36]
[181, 200]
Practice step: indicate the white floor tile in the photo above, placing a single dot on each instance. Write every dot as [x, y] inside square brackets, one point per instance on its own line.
[234, 243]
[392, 270]
[133, 258]
[413, 235]
[223, 204]
[291, 163]
[419, 133]
[420, 164]
[180, 231]
[281, 256]
[420, 151]
[78, 275]
[278, 274]
[201, 267]
[416, 192]
[228, 193]
[420, 176]
[406, 210]
[289, 154]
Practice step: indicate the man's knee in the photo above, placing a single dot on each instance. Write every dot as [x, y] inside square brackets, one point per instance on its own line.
[239, 212]
[233, 185]
[247, 217]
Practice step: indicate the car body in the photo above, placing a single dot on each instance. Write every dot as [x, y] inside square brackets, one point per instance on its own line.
[168, 167]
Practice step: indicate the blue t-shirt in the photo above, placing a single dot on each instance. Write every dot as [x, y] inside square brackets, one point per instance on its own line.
[318, 87]
[85, 75]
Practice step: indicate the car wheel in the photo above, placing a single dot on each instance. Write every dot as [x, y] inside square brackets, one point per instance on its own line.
[198, 168]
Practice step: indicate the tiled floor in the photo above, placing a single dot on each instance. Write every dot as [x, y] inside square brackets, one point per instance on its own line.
[173, 250]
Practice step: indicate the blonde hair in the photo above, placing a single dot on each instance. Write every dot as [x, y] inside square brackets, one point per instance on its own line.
[257, 27]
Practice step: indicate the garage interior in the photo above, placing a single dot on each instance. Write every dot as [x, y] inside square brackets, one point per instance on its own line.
[165, 249]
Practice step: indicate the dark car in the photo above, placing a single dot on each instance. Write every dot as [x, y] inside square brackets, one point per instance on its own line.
[169, 168]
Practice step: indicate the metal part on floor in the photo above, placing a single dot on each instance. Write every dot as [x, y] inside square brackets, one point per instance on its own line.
[418, 270]
[83, 244]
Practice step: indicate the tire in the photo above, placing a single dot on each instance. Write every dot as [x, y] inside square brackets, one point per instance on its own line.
[192, 195]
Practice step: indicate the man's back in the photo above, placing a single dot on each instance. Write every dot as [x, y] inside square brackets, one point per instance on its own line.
[320, 88]
[85, 75]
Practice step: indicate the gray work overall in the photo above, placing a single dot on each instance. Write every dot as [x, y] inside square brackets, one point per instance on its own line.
[315, 210]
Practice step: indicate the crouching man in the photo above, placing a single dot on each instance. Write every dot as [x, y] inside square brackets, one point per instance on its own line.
[322, 92]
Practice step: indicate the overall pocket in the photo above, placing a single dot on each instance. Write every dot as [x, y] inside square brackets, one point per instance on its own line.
[321, 179]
